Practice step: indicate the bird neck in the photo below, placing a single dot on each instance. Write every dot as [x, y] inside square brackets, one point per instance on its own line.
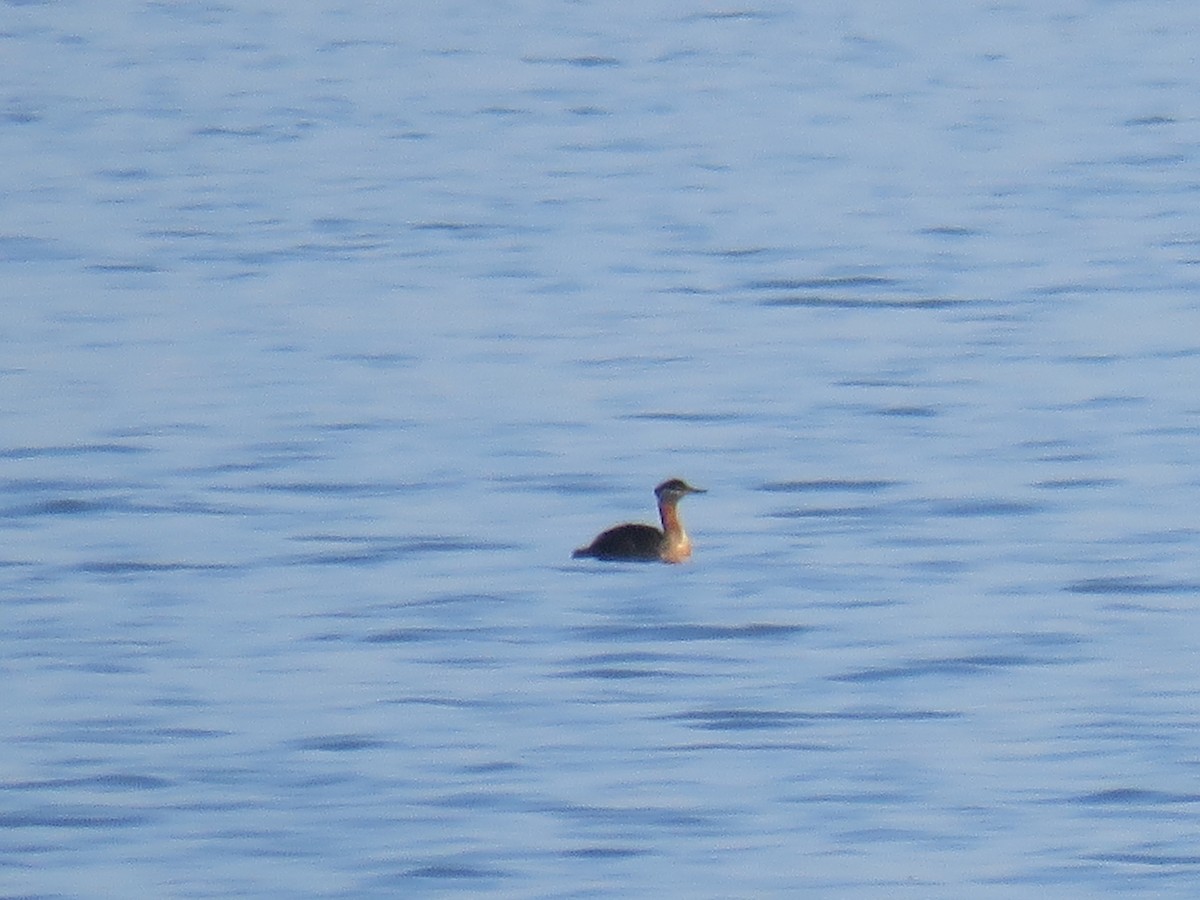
[676, 545]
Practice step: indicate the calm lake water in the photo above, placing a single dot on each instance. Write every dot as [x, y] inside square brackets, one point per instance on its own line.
[331, 329]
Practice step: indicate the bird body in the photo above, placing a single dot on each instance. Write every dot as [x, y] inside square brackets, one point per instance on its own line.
[634, 542]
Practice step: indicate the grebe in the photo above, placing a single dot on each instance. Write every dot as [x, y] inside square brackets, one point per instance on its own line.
[645, 543]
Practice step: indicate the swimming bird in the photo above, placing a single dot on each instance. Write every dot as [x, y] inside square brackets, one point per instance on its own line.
[645, 543]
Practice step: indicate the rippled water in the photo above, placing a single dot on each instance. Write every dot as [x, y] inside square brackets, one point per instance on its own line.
[331, 330]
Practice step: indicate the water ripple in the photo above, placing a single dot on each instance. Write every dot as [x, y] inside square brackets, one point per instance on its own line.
[120, 781]
[138, 567]
[1131, 585]
[691, 632]
[24, 249]
[739, 719]
[799, 284]
[69, 450]
[413, 635]
[67, 819]
[603, 853]
[819, 301]
[341, 743]
[371, 550]
[454, 871]
[955, 665]
[1134, 797]
[866, 485]
[1147, 859]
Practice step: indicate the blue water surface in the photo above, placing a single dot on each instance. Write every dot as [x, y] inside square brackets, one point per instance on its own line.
[331, 329]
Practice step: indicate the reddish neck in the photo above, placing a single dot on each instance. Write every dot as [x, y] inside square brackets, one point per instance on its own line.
[676, 546]
[670, 518]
